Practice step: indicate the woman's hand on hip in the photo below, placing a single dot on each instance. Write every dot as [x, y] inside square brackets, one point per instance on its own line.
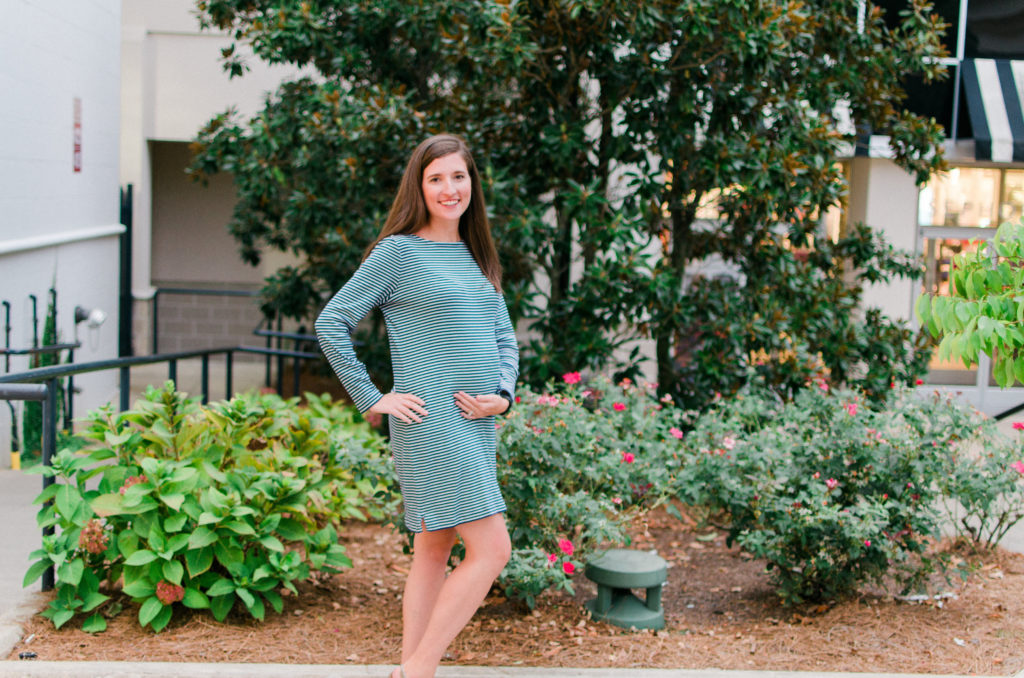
[402, 406]
[477, 407]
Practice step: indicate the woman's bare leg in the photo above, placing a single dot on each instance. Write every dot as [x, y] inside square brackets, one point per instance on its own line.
[487, 551]
[423, 585]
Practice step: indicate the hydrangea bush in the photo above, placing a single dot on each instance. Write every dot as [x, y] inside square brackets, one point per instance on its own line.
[209, 507]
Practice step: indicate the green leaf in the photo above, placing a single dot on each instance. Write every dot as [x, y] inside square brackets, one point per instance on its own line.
[92, 600]
[274, 598]
[195, 599]
[71, 572]
[61, 617]
[177, 543]
[149, 610]
[198, 561]
[221, 587]
[140, 557]
[66, 501]
[139, 588]
[175, 523]
[174, 501]
[202, 536]
[247, 598]
[35, 571]
[127, 542]
[162, 618]
[173, 571]
[221, 606]
[230, 557]
[95, 624]
[240, 527]
[108, 504]
[272, 543]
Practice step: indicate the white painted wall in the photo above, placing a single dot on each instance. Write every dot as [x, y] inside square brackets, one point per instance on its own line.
[173, 83]
[59, 227]
[884, 196]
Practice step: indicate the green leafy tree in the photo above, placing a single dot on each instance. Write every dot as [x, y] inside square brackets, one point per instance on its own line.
[984, 310]
[603, 128]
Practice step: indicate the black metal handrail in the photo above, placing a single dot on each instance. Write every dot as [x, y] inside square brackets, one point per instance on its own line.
[199, 291]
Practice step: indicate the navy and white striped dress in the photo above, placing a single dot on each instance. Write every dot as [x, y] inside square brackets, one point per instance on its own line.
[449, 331]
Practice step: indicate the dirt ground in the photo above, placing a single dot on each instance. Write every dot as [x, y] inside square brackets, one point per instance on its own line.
[719, 609]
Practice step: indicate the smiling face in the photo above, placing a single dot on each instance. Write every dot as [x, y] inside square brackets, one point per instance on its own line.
[446, 189]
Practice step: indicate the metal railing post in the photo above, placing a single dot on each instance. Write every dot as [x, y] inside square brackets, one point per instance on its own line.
[172, 372]
[205, 378]
[229, 360]
[49, 445]
[126, 387]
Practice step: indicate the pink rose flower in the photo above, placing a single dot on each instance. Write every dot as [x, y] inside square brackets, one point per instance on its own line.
[831, 483]
[552, 558]
[1018, 426]
[618, 407]
[676, 433]
[816, 475]
[571, 377]
[919, 381]
[628, 457]
[867, 542]
[617, 501]
[566, 546]
[568, 567]
[1018, 466]
[728, 442]
[851, 408]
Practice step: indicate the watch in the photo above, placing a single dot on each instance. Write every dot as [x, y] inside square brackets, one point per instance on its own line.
[507, 396]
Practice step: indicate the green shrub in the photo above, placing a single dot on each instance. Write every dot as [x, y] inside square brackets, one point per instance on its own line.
[983, 489]
[574, 465]
[830, 492]
[207, 506]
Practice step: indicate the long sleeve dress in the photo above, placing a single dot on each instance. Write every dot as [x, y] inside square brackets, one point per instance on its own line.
[449, 331]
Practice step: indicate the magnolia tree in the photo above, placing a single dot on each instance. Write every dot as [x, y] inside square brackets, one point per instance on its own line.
[602, 128]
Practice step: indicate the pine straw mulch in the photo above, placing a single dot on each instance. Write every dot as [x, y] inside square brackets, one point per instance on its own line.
[720, 611]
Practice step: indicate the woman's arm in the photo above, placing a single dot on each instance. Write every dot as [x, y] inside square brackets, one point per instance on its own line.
[372, 285]
[508, 350]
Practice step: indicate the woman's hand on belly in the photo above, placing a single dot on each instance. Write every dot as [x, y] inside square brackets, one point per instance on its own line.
[403, 406]
[477, 407]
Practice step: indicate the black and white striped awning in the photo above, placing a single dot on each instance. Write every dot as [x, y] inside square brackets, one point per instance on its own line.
[995, 91]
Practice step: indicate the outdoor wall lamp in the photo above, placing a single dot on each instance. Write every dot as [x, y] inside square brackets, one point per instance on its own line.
[92, 319]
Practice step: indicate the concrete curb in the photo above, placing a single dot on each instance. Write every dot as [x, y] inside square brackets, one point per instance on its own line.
[12, 619]
[33, 669]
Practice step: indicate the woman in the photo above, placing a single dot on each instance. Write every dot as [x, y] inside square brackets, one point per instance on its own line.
[434, 273]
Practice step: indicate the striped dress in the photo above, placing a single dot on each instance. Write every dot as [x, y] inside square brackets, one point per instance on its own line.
[449, 331]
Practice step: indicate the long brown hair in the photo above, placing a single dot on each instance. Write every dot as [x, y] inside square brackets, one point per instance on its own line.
[409, 212]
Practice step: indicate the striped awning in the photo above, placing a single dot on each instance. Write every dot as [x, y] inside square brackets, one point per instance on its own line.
[995, 92]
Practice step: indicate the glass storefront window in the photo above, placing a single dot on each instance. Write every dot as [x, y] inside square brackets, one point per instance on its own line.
[964, 196]
[1012, 204]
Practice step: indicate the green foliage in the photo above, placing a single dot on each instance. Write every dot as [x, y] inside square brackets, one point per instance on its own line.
[832, 493]
[207, 506]
[983, 493]
[984, 312]
[32, 413]
[577, 463]
[602, 129]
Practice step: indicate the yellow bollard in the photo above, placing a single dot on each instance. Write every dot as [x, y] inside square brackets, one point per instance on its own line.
[15, 461]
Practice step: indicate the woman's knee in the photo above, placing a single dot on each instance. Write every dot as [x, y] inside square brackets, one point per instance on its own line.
[433, 547]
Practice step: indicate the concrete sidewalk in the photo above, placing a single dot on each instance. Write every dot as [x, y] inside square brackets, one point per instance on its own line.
[28, 669]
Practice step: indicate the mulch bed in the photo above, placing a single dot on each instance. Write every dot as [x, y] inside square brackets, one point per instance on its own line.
[720, 610]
